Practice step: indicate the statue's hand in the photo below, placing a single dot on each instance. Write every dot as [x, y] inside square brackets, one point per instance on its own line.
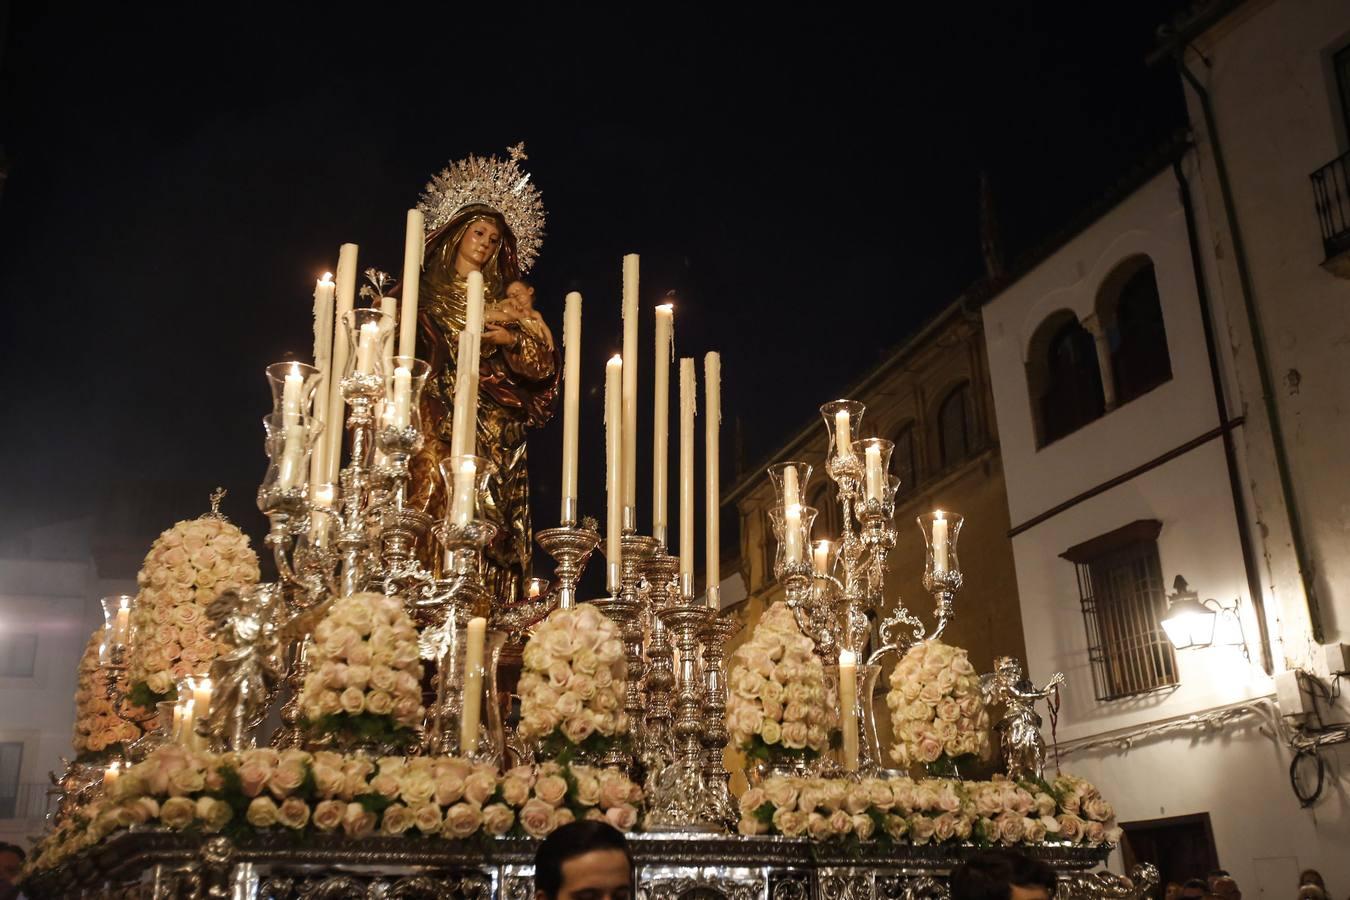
[1057, 678]
[498, 336]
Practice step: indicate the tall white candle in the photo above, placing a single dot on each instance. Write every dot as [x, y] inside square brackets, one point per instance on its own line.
[712, 426]
[665, 343]
[688, 409]
[791, 493]
[843, 434]
[848, 704]
[473, 315]
[122, 624]
[820, 556]
[613, 470]
[323, 361]
[412, 275]
[321, 496]
[571, 403]
[289, 473]
[346, 299]
[939, 543]
[389, 306]
[464, 424]
[200, 706]
[366, 348]
[792, 534]
[462, 503]
[402, 414]
[630, 382]
[473, 686]
[875, 477]
[290, 396]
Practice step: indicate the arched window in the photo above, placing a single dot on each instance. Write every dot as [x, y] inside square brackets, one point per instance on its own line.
[1130, 304]
[1062, 374]
[903, 462]
[954, 431]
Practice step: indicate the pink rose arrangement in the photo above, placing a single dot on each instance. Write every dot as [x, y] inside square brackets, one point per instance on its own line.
[365, 682]
[353, 795]
[918, 812]
[546, 796]
[99, 728]
[937, 710]
[776, 701]
[187, 567]
[572, 683]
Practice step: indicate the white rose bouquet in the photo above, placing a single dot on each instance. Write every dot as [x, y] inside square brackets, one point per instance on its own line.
[776, 702]
[937, 710]
[187, 567]
[366, 681]
[99, 728]
[549, 795]
[353, 794]
[572, 683]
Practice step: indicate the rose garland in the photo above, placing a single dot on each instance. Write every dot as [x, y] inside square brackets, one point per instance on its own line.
[350, 795]
[930, 811]
[777, 704]
[99, 728]
[367, 681]
[572, 683]
[187, 567]
[936, 707]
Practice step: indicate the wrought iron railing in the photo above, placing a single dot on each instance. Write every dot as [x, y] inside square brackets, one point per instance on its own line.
[1331, 195]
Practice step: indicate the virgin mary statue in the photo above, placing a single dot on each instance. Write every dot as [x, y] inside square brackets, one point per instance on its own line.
[483, 215]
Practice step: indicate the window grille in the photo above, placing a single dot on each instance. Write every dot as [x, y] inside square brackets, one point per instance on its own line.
[1121, 589]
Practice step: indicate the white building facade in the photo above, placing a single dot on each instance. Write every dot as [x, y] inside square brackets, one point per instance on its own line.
[1137, 370]
[50, 585]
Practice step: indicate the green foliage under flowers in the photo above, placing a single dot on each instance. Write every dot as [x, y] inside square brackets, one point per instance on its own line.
[141, 695]
[363, 727]
[557, 747]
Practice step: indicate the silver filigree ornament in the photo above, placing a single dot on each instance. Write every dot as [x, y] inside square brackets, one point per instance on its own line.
[491, 181]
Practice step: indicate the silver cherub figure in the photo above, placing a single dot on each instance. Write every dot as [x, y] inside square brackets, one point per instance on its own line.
[1019, 730]
[257, 628]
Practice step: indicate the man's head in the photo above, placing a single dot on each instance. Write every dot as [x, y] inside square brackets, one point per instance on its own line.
[1172, 891]
[1214, 875]
[1002, 875]
[11, 861]
[1225, 887]
[584, 861]
[1195, 889]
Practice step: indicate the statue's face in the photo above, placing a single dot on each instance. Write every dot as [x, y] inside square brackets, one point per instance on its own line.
[521, 295]
[479, 243]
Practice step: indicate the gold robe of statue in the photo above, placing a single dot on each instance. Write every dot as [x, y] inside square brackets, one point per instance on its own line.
[517, 386]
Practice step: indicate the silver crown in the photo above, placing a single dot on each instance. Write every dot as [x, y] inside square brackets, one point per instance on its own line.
[494, 182]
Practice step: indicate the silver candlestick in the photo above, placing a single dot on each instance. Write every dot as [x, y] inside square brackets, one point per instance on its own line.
[626, 610]
[677, 802]
[661, 573]
[718, 805]
[571, 548]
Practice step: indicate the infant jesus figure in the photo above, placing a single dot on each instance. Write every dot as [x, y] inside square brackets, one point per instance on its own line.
[518, 306]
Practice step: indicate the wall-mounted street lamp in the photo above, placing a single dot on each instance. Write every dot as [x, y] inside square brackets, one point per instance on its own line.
[1190, 622]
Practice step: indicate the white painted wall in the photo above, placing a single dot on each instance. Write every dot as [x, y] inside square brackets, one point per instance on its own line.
[1239, 777]
[56, 599]
[1150, 222]
[1275, 104]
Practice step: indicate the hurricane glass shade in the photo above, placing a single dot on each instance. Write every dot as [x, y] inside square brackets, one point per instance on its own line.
[293, 385]
[418, 372]
[777, 473]
[466, 477]
[941, 529]
[830, 413]
[779, 519]
[367, 330]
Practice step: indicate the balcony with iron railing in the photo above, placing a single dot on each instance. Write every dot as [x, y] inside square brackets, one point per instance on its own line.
[1331, 196]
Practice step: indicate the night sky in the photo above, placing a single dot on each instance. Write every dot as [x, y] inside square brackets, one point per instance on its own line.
[808, 186]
